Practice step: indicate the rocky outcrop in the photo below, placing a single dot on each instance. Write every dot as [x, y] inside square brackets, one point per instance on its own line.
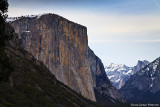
[144, 86]
[63, 47]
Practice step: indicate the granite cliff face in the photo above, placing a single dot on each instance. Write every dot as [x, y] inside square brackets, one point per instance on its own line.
[26, 81]
[63, 47]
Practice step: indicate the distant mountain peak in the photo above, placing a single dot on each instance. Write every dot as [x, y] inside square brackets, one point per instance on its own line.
[142, 61]
[140, 65]
[120, 73]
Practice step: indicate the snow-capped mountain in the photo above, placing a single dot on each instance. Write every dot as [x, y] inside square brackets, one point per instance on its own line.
[120, 73]
[144, 86]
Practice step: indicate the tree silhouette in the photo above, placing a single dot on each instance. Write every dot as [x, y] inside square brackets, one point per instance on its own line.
[5, 65]
[3, 16]
[3, 6]
[3, 11]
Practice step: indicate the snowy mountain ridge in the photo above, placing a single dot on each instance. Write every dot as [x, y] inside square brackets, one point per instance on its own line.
[120, 73]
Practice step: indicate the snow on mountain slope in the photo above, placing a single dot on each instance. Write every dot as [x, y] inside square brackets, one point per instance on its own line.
[120, 73]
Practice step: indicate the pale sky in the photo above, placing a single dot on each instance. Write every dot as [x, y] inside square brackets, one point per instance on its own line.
[119, 31]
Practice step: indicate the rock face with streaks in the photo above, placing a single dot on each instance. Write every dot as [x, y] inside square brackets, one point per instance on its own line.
[63, 47]
[26, 81]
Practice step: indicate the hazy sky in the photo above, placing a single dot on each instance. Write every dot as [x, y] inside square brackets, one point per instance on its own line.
[119, 31]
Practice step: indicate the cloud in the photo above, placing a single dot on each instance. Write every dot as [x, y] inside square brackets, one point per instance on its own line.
[149, 41]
